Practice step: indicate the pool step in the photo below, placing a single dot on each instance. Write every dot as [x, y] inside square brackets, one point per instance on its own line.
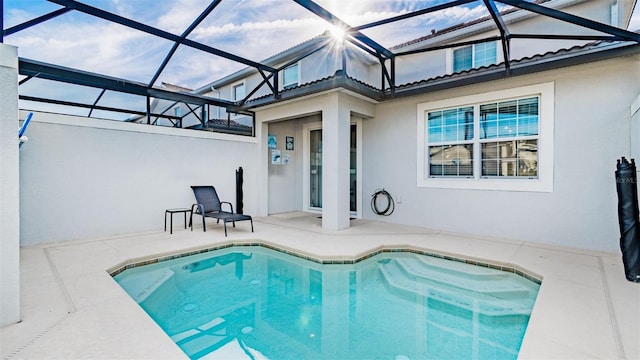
[485, 304]
[463, 276]
[458, 267]
[140, 286]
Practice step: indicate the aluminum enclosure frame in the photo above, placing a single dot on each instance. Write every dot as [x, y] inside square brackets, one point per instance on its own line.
[353, 35]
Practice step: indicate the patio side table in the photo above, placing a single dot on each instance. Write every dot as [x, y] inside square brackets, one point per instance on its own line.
[173, 211]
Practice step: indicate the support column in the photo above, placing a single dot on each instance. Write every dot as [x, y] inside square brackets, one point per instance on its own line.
[336, 122]
[262, 185]
[9, 188]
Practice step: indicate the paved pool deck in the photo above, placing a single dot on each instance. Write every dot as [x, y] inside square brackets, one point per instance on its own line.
[73, 309]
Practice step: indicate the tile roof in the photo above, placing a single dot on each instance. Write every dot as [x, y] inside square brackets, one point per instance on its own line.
[538, 62]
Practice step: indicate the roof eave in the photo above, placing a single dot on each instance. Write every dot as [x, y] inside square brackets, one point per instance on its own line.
[525, 67]
[338, 81]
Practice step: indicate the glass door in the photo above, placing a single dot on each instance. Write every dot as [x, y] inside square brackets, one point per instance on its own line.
[353, 169]
[315, 169]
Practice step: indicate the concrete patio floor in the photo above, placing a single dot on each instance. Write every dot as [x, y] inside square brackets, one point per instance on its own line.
[73, 309]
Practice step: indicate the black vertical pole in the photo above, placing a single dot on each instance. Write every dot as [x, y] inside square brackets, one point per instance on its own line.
[627, 188]
[1, 21]
[382, 68]
[148, 110]
[392, 84]
[276, 90]
[344, 57]
[239, 193]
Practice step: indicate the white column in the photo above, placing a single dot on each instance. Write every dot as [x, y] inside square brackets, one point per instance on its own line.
[9, 188]
[336, 122]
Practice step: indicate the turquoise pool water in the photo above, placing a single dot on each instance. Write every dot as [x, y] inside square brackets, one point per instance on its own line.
[250, 302]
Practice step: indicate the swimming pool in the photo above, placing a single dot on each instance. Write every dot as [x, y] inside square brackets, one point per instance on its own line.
[257, 303]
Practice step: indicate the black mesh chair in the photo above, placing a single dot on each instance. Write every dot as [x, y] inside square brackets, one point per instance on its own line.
[208, 204]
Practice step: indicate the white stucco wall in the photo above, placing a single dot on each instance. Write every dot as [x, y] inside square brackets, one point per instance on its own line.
[285, 180]
[592, 124]
[9, 188]
[634, 134]
[87, 178]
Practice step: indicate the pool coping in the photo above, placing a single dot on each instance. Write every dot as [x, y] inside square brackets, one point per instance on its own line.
[154, 259]
[73, 308]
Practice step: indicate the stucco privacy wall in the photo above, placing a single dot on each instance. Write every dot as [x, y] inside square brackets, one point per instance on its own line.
[87, 178]
[9, 188]
[592, 124]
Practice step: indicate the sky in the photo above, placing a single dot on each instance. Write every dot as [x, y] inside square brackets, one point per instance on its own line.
[254, 29]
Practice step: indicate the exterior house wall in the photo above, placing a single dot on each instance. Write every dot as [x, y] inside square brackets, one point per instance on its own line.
[634, 134]
[285, 180]
[594, 10]
[313, 109]
[592, 123]
[410, 68]
[319, 65]
[87, 178]
[316, 66]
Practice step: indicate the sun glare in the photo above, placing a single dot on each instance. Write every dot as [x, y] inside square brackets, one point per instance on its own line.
[337, 33]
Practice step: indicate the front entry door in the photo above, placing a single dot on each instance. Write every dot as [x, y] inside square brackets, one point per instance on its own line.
[315, 169]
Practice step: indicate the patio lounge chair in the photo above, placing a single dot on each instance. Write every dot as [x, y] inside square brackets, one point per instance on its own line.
[208, 204]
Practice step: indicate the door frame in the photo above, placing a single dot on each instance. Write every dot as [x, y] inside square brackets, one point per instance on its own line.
[306, 162]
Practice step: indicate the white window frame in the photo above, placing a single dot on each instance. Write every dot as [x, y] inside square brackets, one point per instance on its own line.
[297, 82]
[306, 163]
[233, 89]
[451, 58]
[544, 181]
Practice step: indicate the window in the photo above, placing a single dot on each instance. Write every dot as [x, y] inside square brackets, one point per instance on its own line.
[492, 140]
[450, 135]
[474, 56]
[290, 76]
[238, 91]
[509, 137]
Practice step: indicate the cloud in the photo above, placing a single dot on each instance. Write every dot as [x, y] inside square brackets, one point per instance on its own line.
[97, 47]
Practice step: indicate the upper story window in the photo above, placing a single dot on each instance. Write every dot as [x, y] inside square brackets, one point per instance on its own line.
[238, 91]
[474, 56]
[290, 76]
[500, 140]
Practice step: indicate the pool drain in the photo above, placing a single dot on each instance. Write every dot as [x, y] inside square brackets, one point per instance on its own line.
[247, 330]
[190, 307]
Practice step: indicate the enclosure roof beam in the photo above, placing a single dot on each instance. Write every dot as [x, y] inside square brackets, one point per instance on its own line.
[184, 35]
[413, 14]
[36, 21]
[504, 32]
[332, 19]
[46, 71]
[90, 10]
[573, 19]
